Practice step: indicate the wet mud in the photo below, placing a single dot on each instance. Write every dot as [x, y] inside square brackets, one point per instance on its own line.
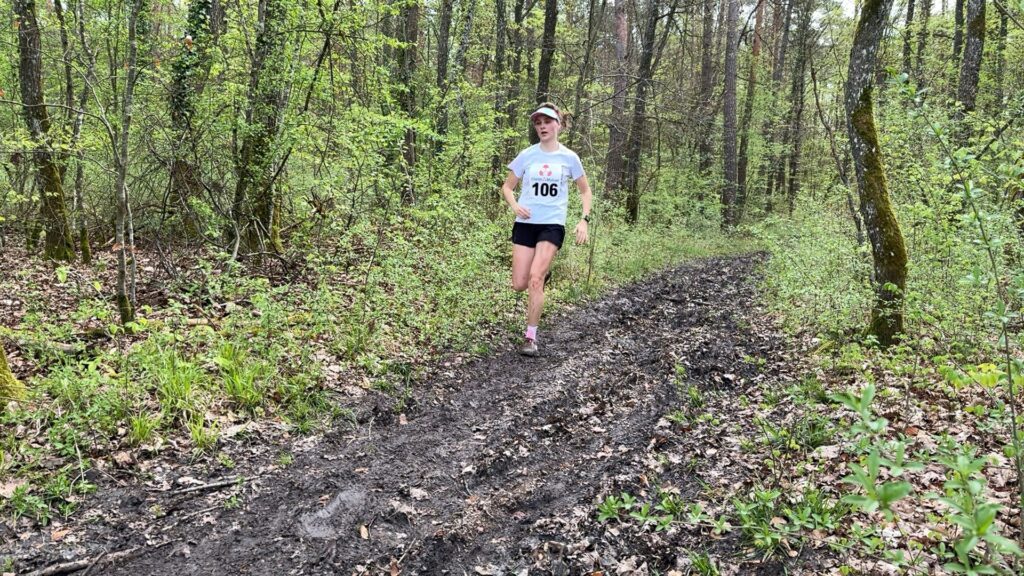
[495, 466]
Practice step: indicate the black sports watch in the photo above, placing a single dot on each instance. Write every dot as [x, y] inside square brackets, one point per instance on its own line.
[586, 218]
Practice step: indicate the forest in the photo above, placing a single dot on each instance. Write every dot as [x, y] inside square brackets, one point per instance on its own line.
[256, 314]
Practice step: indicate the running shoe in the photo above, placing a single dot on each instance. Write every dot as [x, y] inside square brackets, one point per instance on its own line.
[529, 348]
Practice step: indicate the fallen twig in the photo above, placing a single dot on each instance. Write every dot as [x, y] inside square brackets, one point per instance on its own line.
[75, 566]
[211, 486]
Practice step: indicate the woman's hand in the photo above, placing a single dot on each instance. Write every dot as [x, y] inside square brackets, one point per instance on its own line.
[521, 211]
[582, 229]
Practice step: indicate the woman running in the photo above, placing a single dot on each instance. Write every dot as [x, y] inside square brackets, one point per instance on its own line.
[545, 170]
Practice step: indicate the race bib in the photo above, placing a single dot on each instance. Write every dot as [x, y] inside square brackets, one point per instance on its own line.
[546, 181]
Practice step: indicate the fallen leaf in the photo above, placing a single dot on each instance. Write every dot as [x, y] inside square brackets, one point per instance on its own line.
[58, 535]
[7, 488]
[394, 567]
[418, 494]
[364, 532]
[402, 420]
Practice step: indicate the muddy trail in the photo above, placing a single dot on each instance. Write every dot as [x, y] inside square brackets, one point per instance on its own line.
[494, 467]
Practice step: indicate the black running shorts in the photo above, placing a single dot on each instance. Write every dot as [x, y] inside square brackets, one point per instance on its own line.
[529, 234]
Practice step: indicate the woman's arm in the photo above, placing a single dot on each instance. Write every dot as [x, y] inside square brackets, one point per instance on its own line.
[508, 190]
[582, 228]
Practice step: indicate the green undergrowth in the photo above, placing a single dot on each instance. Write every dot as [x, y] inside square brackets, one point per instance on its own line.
[933, 431]
[376, 302]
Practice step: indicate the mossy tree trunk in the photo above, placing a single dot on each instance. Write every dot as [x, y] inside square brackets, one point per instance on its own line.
[188, 78]
[10, 387]
[888, 250]
[54, 213]
[256, 205]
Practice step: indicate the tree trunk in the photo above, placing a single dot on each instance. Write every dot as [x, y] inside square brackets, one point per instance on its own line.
[124, 241]
[776, 128]
[618, 124]
[188, 76]
[841, 168]
[958, 31]
[518, 47]
[922, 41]
[500, 33]
[595, 17]
[707, 76]
[887, 247]
[10, 387]
[729, 171]
[907, 32]
[78, 118]
[795, 129]
[407, 71]
[256, 205]
[444, 29]
[637, 127]
[53, 210]
[970, 68]
[547, 56]
[1000, 98]
[748, 112]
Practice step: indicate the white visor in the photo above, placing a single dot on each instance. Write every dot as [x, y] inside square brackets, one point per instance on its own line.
[545, 111]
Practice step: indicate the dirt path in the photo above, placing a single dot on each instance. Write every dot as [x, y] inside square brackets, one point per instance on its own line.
[494, 470]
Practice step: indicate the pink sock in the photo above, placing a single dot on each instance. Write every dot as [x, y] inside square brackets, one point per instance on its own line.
[531, 332]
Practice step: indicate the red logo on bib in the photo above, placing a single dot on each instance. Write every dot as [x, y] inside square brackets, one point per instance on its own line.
[542, 169]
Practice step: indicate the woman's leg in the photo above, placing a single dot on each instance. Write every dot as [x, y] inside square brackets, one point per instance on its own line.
[545, 253]
[522, 259]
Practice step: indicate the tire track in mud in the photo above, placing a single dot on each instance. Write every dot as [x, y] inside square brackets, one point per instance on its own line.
[494, 458]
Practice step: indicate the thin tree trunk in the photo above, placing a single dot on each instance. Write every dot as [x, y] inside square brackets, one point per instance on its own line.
[500, 34]
[958, 31]
[729, 171]
[595, 17]
[777, 126]
[887, 247]
[637, 127]
[407, 68]
[748, 112]
[707, 76]
[547, 56]
[795, 129]
[1000, 79]
[922, 41]
[53, 210]
[618, 124]
[970, 68]
[78, 116]
[123, 236]
[841, 168]
[907, 33]
[444, 29]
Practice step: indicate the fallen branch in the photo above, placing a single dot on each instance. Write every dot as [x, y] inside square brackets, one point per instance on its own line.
[75, 566]
[211, 486]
